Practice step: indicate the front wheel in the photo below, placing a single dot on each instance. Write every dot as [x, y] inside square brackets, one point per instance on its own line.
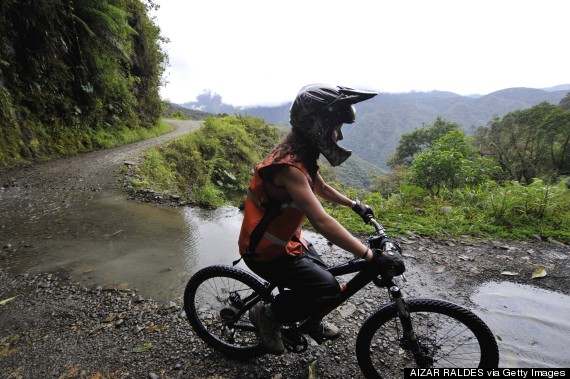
[448, 336]
[216, 301]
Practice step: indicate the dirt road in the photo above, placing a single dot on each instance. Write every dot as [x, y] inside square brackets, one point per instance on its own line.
[51, 326]
[92, 171]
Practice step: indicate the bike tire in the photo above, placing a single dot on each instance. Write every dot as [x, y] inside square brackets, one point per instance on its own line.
[450, 334]
[212, 299]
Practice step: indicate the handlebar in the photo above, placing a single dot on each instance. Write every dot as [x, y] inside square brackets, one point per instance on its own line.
[381, 240]
[379, 229]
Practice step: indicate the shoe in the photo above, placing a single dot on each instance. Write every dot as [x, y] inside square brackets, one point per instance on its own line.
[328, 331]
[269, 329]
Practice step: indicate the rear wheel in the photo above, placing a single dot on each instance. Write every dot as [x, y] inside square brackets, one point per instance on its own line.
[216, 301]
[448, 335]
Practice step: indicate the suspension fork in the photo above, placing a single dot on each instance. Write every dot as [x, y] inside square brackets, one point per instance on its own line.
[422, 360]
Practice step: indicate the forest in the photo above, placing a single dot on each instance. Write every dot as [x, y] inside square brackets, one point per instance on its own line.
[76, 76]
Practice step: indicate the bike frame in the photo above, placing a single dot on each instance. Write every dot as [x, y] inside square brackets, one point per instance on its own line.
[365, 274]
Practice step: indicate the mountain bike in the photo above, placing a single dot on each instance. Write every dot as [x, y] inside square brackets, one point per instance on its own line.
[416, 332]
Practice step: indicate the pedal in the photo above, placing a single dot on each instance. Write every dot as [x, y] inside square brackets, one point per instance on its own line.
[294, 341]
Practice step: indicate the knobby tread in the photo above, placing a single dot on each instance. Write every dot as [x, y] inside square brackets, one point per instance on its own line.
[487, 341]
[195, 281]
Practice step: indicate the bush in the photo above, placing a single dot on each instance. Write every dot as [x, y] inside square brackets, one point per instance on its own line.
[213, 165]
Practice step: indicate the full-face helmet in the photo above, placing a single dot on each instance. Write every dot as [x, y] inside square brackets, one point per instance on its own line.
[318, 112]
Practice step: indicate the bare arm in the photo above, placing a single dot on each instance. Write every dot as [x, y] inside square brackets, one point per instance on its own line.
[298, 188]
[329, 193]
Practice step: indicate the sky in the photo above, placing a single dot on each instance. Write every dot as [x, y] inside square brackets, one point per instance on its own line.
[261, 52]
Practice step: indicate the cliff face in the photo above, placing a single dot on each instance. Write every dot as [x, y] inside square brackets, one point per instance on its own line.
[74, 73]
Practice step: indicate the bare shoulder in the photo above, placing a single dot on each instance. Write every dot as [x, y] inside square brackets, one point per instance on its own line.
[289, 174]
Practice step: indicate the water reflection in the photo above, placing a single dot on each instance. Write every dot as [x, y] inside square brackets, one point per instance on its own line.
[532, 324]
[213, 237]
[104, 240]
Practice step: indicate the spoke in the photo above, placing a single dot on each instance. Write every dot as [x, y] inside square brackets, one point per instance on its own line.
[216, 294]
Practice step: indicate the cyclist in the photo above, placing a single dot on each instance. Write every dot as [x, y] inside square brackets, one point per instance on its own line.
[282, 193]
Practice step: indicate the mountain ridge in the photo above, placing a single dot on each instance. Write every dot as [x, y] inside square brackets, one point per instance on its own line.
[382, 120]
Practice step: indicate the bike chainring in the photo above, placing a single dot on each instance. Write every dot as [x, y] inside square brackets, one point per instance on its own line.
[236, 300]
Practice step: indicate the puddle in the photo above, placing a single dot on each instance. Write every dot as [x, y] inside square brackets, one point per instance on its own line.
[214, 238]
[533, 324]
[108, 239]
[111, 240]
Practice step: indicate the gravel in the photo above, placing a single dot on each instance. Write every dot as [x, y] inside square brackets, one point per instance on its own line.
[52, 326]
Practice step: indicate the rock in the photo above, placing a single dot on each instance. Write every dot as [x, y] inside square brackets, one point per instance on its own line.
[346, 310]
[97, 290]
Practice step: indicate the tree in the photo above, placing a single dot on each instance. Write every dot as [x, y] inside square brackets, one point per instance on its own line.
[419, 139]
[450, 163]
[389, 183]
[557, 135]
[565, 102]
[530, 143]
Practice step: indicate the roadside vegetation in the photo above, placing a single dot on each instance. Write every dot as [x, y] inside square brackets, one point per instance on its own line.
[212, 166]
[77, 76]
[443, 183]
[509, 180]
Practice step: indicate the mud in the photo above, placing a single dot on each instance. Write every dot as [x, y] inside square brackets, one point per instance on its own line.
[53, 325]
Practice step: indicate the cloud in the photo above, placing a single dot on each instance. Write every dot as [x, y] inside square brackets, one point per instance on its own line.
[260, 52]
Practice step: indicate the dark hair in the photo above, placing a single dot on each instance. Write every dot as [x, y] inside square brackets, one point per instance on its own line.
[300, 149]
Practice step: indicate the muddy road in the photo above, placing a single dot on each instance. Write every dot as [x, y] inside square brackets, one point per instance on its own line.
[54, 325]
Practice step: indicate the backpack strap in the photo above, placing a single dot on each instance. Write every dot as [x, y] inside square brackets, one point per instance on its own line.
[272, 211]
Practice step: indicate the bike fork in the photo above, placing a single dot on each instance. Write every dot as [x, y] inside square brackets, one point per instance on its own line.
[409, 336]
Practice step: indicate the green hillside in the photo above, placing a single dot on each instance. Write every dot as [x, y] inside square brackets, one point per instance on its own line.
[76, 76]
[175, 111]
[381, 121]
[356, 172]
[211, 166]
[448, 191]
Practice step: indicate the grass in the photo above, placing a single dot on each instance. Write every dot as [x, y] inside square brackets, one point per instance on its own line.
[511, 211]
[213, 167]
[108, 139]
